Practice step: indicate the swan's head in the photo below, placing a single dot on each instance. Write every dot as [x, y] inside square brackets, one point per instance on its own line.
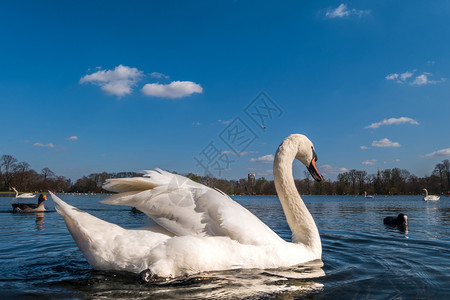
[307, 155]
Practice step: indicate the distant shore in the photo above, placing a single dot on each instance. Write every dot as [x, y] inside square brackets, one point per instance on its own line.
[12, 195]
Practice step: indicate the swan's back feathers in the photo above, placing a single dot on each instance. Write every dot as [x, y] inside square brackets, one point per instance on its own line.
[150, 180]
[185, 207]
[107, 246]
[121, 185]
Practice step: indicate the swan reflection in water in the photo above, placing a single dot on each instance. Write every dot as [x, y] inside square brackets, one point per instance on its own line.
[249, 283]
[294, 282]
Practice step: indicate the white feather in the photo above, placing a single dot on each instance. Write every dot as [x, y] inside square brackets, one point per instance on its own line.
[185, 207]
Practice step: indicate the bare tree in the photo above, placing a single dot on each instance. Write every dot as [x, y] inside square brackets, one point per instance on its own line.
[361, 177]
[371, 180]
[308, 178]
[7, 162]
[22, 167]
[343, 187]
[21, 174]
[439, 170]
[353, 178]
[386, 180]
[46, 172]
[446, 164]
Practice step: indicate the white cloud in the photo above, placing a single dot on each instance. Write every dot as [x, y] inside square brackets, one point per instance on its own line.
[72, 138]
[421, 80]
[406, 77]
[159, 75]
[342, 11]
[392, 121]
[265, 173]
[364, 147]
[369, 162]
[116, 82]
[442, 152]
[424, 80]
[196, 123]
[122, 79]
[266, 159]
[400, 78]
[175, 89]
[385, 143]
[392, 76]
[239, 153]
[330, 171]
[49, 145]
[339, 12]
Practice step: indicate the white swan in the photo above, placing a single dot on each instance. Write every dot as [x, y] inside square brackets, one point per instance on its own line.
[430, 197]
[198, 228]
[367, 196]
[24, 195]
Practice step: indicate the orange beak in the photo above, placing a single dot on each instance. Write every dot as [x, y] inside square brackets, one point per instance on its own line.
[312, 168]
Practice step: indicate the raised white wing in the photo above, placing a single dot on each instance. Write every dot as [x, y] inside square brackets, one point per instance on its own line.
[185, 207]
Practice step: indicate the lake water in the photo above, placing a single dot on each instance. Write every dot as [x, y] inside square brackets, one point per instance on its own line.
[362, 258]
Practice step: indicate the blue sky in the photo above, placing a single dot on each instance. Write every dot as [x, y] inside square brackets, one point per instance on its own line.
[92, 86]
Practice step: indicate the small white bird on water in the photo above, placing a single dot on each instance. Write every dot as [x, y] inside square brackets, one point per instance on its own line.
[198, 228]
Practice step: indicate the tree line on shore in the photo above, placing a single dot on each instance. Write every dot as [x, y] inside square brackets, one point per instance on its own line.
[354, 182]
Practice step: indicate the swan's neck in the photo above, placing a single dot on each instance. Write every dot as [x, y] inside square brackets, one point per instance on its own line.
[303, 227]
[426, 192]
